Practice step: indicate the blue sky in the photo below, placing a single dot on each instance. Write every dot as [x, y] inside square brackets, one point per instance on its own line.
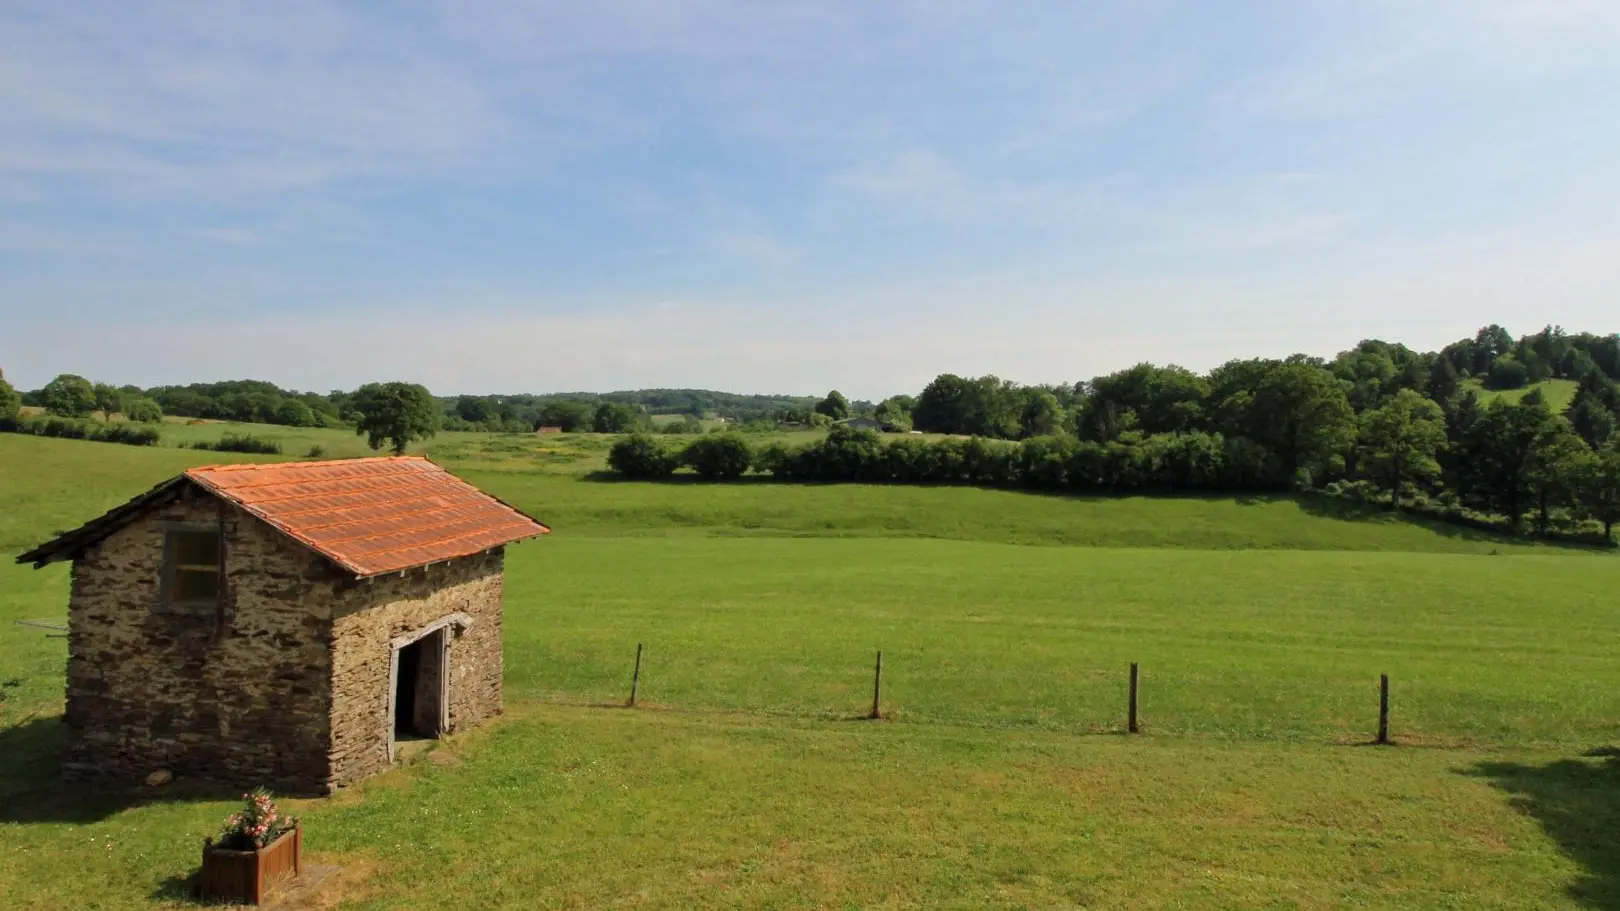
[498, 195]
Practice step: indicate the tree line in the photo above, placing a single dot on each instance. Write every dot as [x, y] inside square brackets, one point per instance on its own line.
[1378, 422]
[260, 402]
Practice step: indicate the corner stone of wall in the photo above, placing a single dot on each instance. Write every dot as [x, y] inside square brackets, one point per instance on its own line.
[371, 614]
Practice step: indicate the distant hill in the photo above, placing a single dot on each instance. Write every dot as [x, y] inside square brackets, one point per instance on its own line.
[697, 402]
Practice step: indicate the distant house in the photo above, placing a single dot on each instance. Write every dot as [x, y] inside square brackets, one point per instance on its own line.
[547, 430]
[282, 624]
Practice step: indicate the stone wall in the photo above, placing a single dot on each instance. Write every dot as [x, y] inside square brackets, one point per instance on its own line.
[244, 703]
[371, 614]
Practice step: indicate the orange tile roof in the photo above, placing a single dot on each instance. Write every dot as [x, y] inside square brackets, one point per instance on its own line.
[372, 516]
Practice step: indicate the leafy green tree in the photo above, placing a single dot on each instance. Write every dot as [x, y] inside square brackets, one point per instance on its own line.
[1575, 364]
[1536, 368]
[1498, 453]
[572, 416]
[294, 413]
[1604, 350]
[1555, 467]
[69, 395]
[1462, 413]
[1370, 372]
[1296, 410]
[1461, 356]
[477, 409]
[1594, 412]
[143, 410]
[1598, 488]
[616, 417]
[987, 406]
[896, 410]
[1400, 439]
[1043, 416]
[940, 406]
[109, 399]
[1592, 422]
[1145, 397]
[1490, 343]
[719, 457]
[395, 413]
[1508, 372]
[1443, 381]
[846, 454]
[834, 406]
[641, 456]
[10, 401]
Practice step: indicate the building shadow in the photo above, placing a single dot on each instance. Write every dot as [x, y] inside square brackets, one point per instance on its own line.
[29, 754]
[1577, 804]
[32, 789]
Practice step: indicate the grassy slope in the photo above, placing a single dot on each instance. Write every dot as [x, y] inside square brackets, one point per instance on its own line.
[748, 788]
[1559, 393]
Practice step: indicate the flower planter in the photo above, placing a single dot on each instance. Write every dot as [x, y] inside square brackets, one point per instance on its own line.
[247, 876]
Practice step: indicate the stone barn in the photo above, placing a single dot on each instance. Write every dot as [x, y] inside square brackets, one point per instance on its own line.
[283, 624]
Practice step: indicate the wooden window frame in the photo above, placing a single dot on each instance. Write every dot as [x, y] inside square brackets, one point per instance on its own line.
[166, 602]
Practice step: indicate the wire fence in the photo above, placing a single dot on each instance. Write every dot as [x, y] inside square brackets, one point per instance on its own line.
[1131, 698]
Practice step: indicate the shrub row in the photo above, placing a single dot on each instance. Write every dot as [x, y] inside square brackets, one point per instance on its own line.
[231, 442]
[1158, 463]
[63, 428]
[1564, 523]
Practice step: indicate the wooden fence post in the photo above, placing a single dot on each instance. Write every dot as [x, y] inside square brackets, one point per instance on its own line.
[1383, 708]
[1132, 727]
[635, 677]
[877, 687]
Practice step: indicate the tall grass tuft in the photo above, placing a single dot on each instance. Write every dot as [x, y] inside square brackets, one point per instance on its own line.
[246, 442]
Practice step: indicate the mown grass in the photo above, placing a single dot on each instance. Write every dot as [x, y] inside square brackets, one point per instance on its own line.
[1284, 645]
[579, 808]
[999, 778]
[1559, 393]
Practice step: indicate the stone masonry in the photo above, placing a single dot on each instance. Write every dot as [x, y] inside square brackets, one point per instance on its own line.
[285, 683]
[371, 614]
[237, 693]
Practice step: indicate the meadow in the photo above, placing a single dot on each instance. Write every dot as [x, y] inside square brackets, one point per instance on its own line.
[1000, 775]
[1559, 393]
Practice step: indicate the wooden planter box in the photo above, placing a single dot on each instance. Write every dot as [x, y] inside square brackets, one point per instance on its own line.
[247, 876]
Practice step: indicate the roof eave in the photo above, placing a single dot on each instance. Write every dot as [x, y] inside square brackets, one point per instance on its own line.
[362, 574]
[67, 544]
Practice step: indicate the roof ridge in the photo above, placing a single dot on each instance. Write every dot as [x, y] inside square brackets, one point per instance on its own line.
[362, 515]
[257, 466]
[390, 482]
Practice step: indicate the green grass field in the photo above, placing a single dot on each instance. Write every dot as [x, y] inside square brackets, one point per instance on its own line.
[1000, 777]
[1559, 393]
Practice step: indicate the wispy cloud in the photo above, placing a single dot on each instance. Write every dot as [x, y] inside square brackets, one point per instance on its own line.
[1171, 179]
[231, 98]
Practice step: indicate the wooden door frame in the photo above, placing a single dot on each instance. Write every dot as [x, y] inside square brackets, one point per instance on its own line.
[441, 627]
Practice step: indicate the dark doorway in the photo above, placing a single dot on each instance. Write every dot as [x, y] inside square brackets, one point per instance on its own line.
[410, 667]
[420, 688]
